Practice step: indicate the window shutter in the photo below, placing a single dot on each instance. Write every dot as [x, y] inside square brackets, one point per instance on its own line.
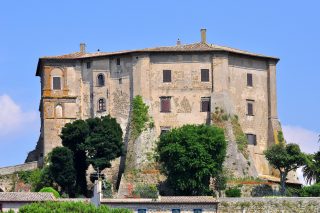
[165, 105]
[56, 83]
[205, 104]
[204, 75]
[249, 79]
[250, 108]
[166, 75]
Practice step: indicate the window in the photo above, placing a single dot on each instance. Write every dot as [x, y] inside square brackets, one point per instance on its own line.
[175, 210]
[250, 107]
[101, 105]
[118, 61]
[120, 80]
[205, 104]
[56, 83]
[252, 139]
[204, 75]
[165, 105]
[164, 129]
[142, 211]
[89, 65]
[100, 80]
[166, 75]
[197, 210]
[249, 80]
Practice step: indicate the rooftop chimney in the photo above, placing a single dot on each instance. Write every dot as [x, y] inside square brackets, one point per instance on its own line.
[178, 42]
[203, 35]
[82, 47]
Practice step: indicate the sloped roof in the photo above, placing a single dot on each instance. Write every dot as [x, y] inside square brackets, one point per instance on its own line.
[25, 196]
[195, 47]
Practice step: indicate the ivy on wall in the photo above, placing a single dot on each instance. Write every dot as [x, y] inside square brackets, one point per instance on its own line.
[139, 117]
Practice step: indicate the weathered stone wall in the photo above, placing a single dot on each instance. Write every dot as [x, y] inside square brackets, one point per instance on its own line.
[21, 167]
[270, 205]
[166, 208]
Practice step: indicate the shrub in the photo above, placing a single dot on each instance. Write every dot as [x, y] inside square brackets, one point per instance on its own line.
[311, 191]
[233, 192]
[146, 191]
[47, 207]
[52, 190]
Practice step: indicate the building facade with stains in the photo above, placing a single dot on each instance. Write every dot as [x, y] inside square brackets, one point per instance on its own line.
[181, 84]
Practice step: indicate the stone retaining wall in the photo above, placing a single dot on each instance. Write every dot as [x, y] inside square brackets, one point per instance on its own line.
[269, 205]
[21, 167]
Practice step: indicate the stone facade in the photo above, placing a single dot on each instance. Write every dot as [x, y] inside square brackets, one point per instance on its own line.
[71, 88]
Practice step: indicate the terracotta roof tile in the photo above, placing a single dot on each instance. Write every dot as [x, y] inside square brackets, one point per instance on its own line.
[26, 196]
[195, 47]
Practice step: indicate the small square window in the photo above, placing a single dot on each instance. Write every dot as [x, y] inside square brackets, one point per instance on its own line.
[165, 104]
[175, 211]
[56, 83]
[197, 210]
[166, 75]
[120, 80]
[252, 139]
[250, 107]
[89, 65]
[204, 75]
[164, 129]
[118, 61]
[205, 104]
[249, 80]
[142, 211]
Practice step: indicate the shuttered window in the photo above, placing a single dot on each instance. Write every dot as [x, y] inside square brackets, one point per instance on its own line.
[249, 107]
[56, 83]
[249, 80]
[205, 104]
[118, 61]
[166, 75]
[165, 104]
[204, 75]
[252, 139]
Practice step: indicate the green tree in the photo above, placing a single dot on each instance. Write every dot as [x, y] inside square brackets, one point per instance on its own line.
[104, 142]
[62, 169]
[190, 155]
[285, 158]
[73, 135]
[94, 141]
[311, 171]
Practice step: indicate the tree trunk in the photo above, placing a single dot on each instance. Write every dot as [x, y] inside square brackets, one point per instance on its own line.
[283, 177]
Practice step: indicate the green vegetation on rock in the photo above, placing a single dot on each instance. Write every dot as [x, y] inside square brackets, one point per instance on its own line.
[139, 117]
[233, 192]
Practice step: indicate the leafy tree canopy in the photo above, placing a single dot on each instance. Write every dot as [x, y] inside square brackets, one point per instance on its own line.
[62, 169]
[190, 155]
[94, 141]
[285, 158]
[311, 171]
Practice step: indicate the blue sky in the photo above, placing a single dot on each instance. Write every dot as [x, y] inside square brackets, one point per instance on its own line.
[31, 29]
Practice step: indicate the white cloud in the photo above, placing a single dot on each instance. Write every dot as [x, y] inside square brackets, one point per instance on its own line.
[12, 118]
[306, 139]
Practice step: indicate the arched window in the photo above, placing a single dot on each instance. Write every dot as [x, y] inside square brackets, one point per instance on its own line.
[100, 80]
[58, 111]
[101, 104]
